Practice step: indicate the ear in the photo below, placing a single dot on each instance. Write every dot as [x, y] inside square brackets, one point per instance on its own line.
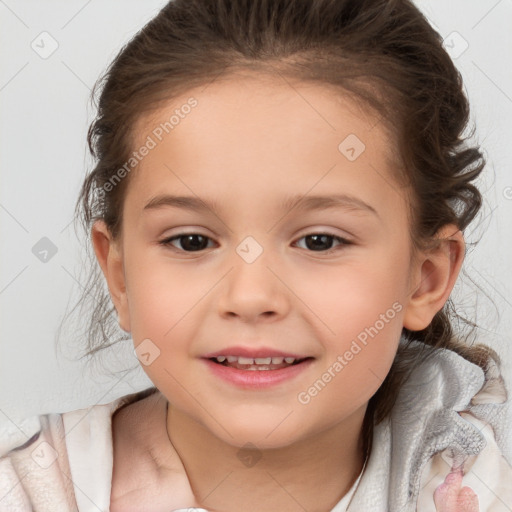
[433, 277]
[109, 256]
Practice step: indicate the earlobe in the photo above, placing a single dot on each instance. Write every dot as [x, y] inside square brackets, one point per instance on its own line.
[109, 256]
[434, 277]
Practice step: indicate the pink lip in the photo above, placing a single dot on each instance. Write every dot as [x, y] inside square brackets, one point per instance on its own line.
[256, 379]
[252, 352]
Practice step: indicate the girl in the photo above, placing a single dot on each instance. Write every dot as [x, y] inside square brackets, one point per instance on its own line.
[278, 208]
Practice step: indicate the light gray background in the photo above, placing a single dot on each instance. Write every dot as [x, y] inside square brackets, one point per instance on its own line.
[44, 118]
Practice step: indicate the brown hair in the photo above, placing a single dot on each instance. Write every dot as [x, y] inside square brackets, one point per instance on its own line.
[382, 52]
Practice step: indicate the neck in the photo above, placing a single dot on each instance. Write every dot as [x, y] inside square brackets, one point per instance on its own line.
[311, 474]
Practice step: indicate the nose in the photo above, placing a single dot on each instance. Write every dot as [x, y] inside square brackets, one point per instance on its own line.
[251, 292]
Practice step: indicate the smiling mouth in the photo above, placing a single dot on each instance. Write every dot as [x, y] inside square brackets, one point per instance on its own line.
[257, 363]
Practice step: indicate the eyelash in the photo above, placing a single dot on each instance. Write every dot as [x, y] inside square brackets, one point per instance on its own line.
[167, 242]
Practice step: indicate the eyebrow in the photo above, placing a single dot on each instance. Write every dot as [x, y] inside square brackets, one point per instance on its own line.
[303, 203]
[185, 202]
[344, 201]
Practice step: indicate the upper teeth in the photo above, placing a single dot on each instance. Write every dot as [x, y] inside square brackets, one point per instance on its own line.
[256, 360]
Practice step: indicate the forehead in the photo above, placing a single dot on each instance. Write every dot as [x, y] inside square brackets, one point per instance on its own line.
[262, 101]
[272, 132]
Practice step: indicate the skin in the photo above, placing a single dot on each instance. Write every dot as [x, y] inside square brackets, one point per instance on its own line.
[249, 145]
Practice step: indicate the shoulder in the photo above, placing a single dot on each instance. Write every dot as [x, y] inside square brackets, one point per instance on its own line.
[450, 412]
[486, 473]
[39, 473]
[472, 441]
[41, 466]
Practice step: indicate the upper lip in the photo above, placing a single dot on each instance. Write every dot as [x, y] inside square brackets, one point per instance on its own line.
[253, 352]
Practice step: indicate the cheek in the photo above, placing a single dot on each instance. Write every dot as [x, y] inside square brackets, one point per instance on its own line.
[356, 294]
[355, 363]
[160, 298]
[163, 306]
[361, 307]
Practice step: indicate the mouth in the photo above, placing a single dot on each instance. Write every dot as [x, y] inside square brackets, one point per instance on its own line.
[268, 363]
[256, 368]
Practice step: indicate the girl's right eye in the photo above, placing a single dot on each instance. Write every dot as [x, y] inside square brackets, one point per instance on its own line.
[190, 242]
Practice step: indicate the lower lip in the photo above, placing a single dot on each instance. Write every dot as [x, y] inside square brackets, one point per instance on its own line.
[256, 379]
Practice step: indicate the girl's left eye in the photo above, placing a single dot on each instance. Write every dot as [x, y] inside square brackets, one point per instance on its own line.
[323, 242]
[194, 242]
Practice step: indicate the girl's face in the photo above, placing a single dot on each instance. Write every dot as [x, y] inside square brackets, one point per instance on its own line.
[219, 259]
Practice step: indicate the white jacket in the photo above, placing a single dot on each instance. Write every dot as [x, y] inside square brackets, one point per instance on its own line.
[448, 414]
